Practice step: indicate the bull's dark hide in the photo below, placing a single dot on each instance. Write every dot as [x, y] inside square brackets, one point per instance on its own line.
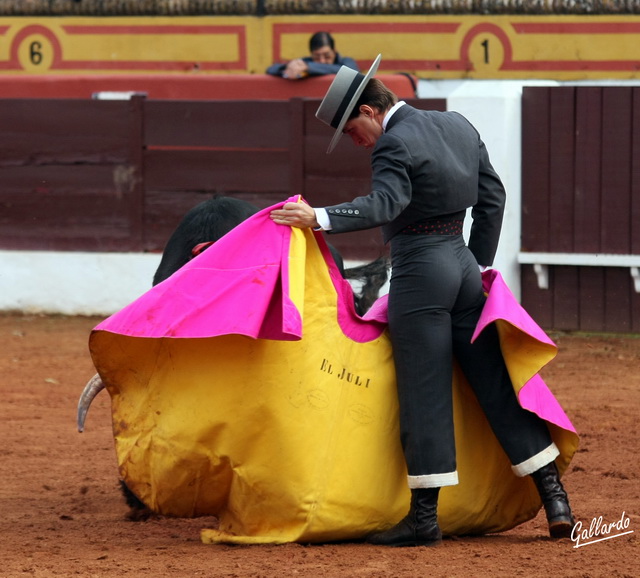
[206, 222]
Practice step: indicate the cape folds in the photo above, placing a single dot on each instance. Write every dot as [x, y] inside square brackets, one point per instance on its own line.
[245, 386]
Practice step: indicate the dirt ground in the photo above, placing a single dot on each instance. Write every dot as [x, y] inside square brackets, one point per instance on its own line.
[61, 512]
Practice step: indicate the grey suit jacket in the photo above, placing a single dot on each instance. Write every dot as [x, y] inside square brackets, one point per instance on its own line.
[428, 164]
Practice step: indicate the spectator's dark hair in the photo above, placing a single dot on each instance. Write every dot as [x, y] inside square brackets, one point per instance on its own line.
[320, 40]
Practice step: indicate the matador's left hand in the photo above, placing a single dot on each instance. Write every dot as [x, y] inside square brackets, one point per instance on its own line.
[295, 215]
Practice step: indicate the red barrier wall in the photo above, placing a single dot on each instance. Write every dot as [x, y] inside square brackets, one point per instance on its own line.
[174, 87]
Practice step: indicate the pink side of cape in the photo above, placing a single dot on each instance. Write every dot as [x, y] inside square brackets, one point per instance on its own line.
[536, 397]
[501, 304]
[239, 285]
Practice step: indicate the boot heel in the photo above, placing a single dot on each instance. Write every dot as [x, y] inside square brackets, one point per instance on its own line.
[554, 500]
[561, 528]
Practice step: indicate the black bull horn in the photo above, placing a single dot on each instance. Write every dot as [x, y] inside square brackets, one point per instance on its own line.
[91, 390]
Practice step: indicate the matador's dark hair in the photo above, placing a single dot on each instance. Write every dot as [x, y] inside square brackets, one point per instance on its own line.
[376, 95]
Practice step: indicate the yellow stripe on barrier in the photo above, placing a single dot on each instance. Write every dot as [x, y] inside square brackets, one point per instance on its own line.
[484, 47]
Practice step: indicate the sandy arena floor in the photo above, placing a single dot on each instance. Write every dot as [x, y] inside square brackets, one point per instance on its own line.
[61, 512]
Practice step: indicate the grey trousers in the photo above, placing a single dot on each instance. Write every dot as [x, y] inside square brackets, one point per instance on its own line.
[435, 301]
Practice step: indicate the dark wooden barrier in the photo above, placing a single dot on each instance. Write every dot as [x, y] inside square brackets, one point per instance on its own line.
[119, 175]
[85, 175]
[581, 194]
[243, 149]
[70, 175]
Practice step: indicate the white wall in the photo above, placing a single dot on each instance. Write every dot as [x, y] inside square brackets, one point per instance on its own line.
[73, 283]
[494, 108]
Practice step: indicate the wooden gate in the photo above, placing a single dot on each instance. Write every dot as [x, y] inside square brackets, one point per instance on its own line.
[581, 204]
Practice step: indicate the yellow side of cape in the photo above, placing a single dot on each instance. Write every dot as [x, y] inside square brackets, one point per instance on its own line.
[289, 440]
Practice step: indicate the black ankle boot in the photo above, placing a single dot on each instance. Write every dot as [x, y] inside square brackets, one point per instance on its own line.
[555, 501]
[419, 527]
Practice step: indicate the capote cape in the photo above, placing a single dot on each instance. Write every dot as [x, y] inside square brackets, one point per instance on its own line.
[246, 387]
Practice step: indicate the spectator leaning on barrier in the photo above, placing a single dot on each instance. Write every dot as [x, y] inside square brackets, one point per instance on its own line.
[323, 60]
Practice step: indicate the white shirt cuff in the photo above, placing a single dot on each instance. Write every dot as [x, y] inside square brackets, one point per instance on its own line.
[323, 219]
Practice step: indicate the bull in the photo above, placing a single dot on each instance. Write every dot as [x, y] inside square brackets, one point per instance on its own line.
[200, 228]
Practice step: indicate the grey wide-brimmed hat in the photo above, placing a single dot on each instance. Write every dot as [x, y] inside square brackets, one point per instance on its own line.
[344, 92]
